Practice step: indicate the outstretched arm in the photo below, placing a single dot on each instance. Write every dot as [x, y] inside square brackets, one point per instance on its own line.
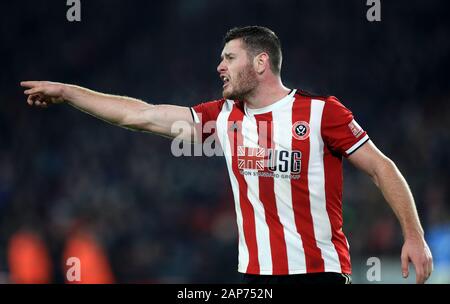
[395, 190]
[123, 111]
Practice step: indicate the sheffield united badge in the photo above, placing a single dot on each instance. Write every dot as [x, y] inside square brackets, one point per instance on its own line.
[300, 130]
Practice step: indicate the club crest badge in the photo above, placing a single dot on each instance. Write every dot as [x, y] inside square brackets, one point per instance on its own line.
[300, 130]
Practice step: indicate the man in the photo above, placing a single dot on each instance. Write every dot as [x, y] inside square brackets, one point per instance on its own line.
[284, 153]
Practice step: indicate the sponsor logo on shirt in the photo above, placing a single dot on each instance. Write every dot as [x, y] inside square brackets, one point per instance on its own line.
[251, 158]
[269, 162]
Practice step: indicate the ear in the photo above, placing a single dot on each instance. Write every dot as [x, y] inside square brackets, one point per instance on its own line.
[261, 63]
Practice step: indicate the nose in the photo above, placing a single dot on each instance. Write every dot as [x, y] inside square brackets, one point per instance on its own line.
[221, 67]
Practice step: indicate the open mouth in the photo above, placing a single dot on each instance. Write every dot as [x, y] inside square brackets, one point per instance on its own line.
[225, 80]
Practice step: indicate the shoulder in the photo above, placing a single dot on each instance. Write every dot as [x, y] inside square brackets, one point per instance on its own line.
[330, 102]
[329, 99]
[216, 103]
[213, 106]
[210, 110]
[306, 94]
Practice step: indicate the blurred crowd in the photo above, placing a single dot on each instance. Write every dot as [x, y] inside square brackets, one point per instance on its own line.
[73, 185]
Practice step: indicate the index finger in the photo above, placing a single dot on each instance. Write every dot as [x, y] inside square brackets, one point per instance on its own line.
[30, 84]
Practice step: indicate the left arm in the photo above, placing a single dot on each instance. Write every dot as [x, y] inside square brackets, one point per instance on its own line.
[395, 190]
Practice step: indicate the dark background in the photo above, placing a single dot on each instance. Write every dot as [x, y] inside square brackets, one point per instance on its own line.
[160, 218]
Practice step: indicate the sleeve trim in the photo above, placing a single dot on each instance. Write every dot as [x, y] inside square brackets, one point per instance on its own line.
[357, 145]
[194, 116]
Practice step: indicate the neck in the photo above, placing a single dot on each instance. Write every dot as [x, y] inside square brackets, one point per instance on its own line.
[266, 94]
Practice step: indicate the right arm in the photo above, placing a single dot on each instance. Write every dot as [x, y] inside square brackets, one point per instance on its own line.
[122, 111]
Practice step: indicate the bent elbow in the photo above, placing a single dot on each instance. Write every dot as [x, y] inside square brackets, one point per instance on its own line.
[385, 166]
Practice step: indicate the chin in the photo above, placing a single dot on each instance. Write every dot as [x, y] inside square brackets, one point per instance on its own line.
[227, 94]
[230, 94]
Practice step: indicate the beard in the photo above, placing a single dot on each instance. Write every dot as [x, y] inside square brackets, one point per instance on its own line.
[243, 86]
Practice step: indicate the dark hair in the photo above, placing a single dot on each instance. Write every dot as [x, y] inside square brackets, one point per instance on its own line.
[259, 39]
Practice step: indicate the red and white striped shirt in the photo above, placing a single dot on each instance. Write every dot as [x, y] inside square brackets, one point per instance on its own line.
[285, 168]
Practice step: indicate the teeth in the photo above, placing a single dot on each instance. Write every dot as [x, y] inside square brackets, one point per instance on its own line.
[225, 78]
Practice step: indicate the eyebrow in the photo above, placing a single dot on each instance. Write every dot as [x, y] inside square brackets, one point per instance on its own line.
[226, 55]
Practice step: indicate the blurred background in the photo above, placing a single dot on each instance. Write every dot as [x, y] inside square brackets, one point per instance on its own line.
[71, 185]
